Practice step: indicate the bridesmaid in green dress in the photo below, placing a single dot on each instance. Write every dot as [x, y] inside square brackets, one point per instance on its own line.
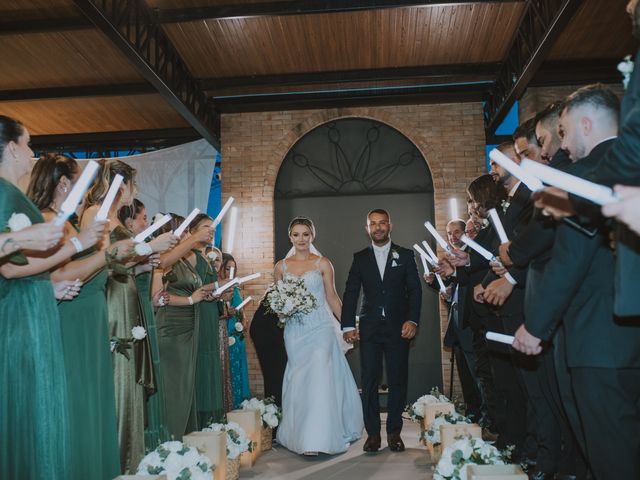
[134, 217]
[85, 336]
[209, 368]
[178, 324]
[34, 413]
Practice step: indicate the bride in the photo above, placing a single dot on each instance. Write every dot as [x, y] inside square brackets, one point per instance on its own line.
[321, 408]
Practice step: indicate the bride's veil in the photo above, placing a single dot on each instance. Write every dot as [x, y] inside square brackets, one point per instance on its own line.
[312, 249]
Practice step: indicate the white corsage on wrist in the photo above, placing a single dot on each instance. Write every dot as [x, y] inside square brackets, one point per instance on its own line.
[18, 221]
[143, 249]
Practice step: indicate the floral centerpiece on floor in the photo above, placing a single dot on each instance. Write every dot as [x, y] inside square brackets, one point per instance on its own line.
[290, 299]
[467, 451]
[177, 462]
[416, 410]
[237, 444]
[270, 414]
[432, 433]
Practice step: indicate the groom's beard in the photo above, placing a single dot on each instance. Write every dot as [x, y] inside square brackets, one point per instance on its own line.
[380, 240]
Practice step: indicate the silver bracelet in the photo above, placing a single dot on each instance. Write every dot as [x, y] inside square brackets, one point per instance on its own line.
[77, 244]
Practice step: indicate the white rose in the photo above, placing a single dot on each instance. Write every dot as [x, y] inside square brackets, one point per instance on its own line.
[271, 420]
[239, 327]
[192, 457]
[173, 463]
[445, 467]
[467, 449]
[212, 255]
[18, 221]
[143, 249]
[232, 341]
[173, 446]
[139, 333]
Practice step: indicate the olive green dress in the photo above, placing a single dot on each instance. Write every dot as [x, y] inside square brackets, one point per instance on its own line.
[85, 341]
[156, 431]
[34, 421]
[178, 340]
[131, 377]
[209, 368]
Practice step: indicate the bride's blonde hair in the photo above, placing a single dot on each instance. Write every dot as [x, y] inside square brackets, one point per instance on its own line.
[302, 221]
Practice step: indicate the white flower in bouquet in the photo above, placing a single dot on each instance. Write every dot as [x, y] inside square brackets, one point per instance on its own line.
[18, 221]
[232, 341]
[177, 462]
[143, 249]
[239, 327]
[289, 299]
[432, 434]
[237, 440]
[139, 333]
[269, 411]
[466, 451]
[271, 420]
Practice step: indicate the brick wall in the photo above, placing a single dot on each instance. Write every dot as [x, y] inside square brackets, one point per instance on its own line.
[450, 137]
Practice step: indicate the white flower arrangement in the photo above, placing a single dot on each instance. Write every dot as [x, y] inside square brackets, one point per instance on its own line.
[466, 451]
[18, 221]
[625, 67]
[270, 413]
[143, 249]
[232, 341]
[290, 299]
[237, 440]
[177, 462]
[416, 410]
[432, 434]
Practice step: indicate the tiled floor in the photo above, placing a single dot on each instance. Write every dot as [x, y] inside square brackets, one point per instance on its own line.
[355, 464]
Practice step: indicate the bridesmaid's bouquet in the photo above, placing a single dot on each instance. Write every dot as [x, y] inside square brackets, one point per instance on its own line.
[290, 299]
[177, 462]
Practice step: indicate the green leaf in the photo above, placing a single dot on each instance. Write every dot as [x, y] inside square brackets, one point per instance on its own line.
[17, 258]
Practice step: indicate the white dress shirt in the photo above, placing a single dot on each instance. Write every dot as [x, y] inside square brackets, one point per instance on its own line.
[382, 253]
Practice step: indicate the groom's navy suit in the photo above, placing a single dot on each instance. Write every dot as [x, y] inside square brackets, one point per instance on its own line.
[387, 303]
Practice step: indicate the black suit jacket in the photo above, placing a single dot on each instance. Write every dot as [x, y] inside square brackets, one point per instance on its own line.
[399, 293]
[577, 288]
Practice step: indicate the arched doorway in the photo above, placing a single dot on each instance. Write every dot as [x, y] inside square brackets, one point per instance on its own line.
[335, 174]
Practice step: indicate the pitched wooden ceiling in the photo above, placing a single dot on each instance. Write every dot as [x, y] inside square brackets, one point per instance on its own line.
[65, 74]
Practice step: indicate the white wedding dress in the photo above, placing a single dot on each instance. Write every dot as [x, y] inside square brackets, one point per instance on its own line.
[321, 407]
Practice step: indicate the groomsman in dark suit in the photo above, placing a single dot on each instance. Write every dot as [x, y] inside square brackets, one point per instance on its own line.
[602, 350]
[389, 317]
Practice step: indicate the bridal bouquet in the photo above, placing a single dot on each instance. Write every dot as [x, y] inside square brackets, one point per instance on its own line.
[177, 462]
[269, 411]
[290, 299]
[466, 451]
[237, 440]
[432, 434]
[121, 345]
[416, 411]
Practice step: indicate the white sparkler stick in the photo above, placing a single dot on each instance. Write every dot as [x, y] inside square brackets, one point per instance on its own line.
[248, 278]
[441, 241]
[497, 225]
[76, 194]
[430, 251]
[531, 181]
[486, 254]
[222, 213]
[425, 258]
[453, 208]
[244, 302]
[187, 221]
[500, 337]
[149, 230]
[570, 183]
[103, 213]
[218, 291]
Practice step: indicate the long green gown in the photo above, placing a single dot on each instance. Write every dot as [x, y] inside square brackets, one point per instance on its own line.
[208, 369]
[85, 341]
[156, 431]
[178, 340]
[34, 411]
[131, 377]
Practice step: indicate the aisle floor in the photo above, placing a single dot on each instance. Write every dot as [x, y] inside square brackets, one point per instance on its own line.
[413, 463]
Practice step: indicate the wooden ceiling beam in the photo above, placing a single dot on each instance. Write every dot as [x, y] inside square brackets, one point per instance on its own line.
[542, 23]
[129, 26]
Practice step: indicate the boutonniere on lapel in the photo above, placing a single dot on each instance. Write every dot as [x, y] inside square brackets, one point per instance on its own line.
[485, 223]
[625, 67]
[395, 256]
[504, 205]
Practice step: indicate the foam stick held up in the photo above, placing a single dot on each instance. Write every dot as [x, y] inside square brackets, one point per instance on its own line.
[500, 337]
[424, 256]
[453, 208]
[76, 194]
[497, 225]
[244, 302]
[222, 213]
[441, 241]
[149, 230]
[220, 290]
[430, 251]
[103, 213]
[570, 183]
[531, 181]
[486, 254]
[232, 272]
[248, 278]
[187, 221]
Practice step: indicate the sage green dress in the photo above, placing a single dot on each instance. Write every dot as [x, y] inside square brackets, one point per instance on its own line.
[131, 377]
[178, 340]
[85, 341]
[34, 414]
[156, 431]
[209, 368]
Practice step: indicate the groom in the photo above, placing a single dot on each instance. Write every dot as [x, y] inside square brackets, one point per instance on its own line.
[389, 319]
